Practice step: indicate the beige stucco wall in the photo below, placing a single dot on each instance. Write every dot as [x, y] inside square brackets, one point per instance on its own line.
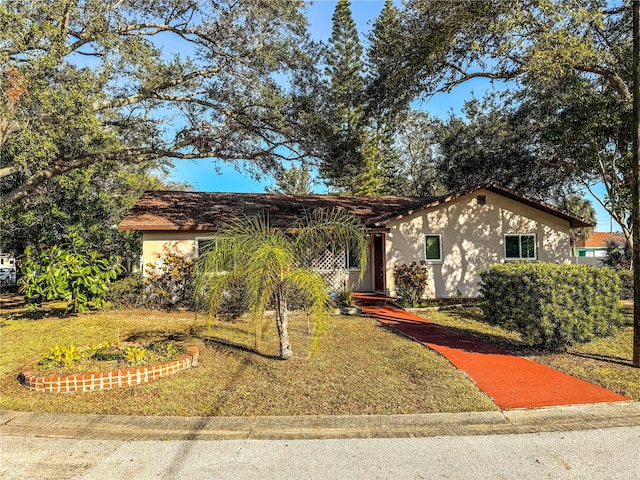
[155, 245]
[366, 283]
[472, 239]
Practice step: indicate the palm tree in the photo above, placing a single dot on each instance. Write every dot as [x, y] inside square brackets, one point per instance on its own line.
[272, 262]
[617, 254]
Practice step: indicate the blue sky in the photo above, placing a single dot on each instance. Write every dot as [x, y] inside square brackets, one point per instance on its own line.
[209, 175]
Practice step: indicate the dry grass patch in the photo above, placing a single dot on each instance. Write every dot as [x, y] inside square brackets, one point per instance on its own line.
[359, 368]
[605, 361]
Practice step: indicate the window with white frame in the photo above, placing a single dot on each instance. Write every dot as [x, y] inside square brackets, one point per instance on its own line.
[353, 259]
[433, 248]
[203, 244]
[520, 246]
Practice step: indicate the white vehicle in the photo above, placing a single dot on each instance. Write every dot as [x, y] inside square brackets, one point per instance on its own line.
[7, 270]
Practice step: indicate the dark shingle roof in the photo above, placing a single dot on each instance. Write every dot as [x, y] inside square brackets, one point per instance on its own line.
[208, 211]
[169, 210]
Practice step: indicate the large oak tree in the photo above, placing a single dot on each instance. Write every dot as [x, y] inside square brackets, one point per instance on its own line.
[118, 81]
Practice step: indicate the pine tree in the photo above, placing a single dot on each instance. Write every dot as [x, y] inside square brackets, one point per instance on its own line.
[361, 143]
[344, 101]
[345, 68]
[293, 181]
[376, 176]
[384, 70]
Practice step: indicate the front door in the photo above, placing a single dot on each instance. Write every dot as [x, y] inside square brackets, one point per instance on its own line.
[378, 262]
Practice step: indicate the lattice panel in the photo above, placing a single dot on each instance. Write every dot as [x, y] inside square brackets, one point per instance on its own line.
[329, 260]
[331, 266]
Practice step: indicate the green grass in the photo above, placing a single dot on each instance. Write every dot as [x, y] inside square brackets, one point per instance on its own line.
[360, 367]
[605, 361]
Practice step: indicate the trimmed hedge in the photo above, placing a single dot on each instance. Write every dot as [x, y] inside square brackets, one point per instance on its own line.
[552, 305]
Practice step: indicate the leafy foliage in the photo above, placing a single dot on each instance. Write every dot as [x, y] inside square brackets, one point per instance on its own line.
[293, 181]
[551, 305]
[222, 85]
[581, 208]
[88, 203]
[345, 298]
[61, 356]
[127, 292]
[135, 355]
[106, 355]
[71, 272]
[418, 168]
[626, 279]
[617, 254]
[410, 280]
[493, 144]
[167, 284]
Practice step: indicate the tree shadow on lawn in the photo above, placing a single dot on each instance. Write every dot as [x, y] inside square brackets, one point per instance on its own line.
[603, 358]
[194, 333]
[37, 313]
[492, 342]
[515, 347]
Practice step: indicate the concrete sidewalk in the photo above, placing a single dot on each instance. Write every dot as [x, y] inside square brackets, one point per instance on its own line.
[114, 427]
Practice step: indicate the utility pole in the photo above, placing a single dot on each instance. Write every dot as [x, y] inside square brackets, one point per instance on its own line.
[635, 194]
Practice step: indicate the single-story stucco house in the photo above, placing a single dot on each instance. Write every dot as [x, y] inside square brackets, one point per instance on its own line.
[458, 235]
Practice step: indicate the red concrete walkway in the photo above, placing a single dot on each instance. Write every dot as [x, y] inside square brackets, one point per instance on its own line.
[511, 381]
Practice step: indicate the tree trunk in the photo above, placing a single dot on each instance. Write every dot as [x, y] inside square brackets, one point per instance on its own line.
[282, 320]
[636, 183]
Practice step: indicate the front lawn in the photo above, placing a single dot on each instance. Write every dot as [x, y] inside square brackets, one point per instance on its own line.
[605, 361]
[359, 368]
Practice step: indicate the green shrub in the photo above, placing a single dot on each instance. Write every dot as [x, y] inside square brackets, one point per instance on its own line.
[617, 254]
[234, 299]
[69, 272]
[167, 285]
[345, 298]
[410, 280]
[128, 292]
[551, 305]
[626, 280]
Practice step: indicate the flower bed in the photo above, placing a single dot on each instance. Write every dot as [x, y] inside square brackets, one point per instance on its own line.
[125, 377]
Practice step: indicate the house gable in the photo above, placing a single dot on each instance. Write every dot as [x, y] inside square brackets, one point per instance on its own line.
[472, 233]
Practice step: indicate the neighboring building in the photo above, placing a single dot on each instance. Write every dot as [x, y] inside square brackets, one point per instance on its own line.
[7, 270]
[458, 235]
[595, 245]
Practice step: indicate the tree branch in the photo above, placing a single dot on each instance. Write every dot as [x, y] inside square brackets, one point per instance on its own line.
[448, 86]
[614, 79]
[134, 155]
[151, 93]
[7, 171]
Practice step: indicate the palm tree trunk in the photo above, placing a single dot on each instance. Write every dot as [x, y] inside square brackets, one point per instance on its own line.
[282, 320]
